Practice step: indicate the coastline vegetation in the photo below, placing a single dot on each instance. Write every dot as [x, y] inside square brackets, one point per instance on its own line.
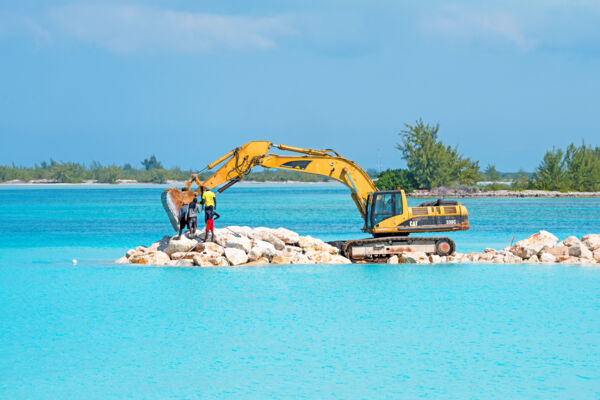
[429, 164]
[151, 171]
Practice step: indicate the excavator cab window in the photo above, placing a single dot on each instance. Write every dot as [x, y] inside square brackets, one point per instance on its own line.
[383, 205]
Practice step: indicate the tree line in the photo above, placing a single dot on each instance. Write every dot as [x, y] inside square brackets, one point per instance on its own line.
[151, 170]
[430, 164]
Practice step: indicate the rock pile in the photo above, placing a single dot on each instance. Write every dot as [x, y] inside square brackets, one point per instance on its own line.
[236, 246]
[245, 246]
[541, 247]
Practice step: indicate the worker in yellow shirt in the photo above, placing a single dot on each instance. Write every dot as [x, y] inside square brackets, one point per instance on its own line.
[209, 203]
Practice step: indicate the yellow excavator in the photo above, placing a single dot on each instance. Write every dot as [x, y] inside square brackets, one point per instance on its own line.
[386, 213]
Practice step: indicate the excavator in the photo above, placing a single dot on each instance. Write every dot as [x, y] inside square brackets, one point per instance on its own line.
[386, 214]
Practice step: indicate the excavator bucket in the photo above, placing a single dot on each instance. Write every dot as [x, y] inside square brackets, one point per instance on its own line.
[172, 199]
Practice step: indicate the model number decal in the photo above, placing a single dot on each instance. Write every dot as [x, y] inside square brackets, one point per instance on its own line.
[450, 222]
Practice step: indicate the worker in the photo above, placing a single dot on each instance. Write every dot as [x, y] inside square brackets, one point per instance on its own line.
[209, 200]
[192, 215]
[182, 218]
[210, 215]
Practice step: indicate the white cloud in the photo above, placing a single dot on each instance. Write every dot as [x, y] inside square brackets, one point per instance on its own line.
[472, 26]
[131, 28]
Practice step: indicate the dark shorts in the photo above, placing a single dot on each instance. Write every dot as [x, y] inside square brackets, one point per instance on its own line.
[182, 223]
[208, 212]
[192, 222]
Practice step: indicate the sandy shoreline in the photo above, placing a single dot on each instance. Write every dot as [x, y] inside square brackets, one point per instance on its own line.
[437, 193]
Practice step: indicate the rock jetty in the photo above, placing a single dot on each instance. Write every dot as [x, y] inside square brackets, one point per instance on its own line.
[236, 246]
[541, 247]
[245, 246]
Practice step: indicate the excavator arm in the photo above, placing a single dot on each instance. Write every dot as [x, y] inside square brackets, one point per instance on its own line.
[239, 162]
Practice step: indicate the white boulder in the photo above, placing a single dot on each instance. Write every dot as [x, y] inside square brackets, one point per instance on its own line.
[240, 243]
[260, 248]
[265, 235]
[580, 251]
[591, 241]
[299, 258]
[151, 258]
[531, 246]
[571, 241]
[393, 260]
[286, 236]
[236, 256]
[547, 258]
[310, 243]
[183, 244]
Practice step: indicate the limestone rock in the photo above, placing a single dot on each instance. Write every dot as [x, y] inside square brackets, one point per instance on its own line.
[160, 245]
[570, 260]
[591, 241]
[596, 255]
[202, 261]
[257, 263]
[236, 256]
[151, 258]
[338, 259]
[435, 259]
[292, 249]
[281, 259]
[580, 251]
[533, 260]
[393, 260]
[179, 255]
[557, 251]
[310, 243]
[267, 236]
[286, 236]
[219, 261]
[122, 260]
[547, 258]
[186, 262]
[182, 244]
[130, 252]
[299, 258]
[244, 231]
[415, 257]
[260, 248]
[531, 246]
[319, 256]
[240, 243]
[571, 241]
[223, 238]
[210, 247]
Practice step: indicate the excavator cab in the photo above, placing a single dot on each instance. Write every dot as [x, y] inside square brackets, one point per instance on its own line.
[383, 205]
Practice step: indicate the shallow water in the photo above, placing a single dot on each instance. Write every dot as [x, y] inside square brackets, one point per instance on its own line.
[98, 330]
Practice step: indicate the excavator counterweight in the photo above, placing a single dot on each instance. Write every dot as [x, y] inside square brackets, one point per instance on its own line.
[386, 214]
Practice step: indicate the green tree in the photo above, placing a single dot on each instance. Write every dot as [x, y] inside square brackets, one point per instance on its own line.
[583, 168]
[151, 163]
[109, 174]
[431, 162]
[551, 174]
[492, 174]
[396, 178]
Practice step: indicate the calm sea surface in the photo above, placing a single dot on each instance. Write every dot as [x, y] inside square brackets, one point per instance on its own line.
[98, 330]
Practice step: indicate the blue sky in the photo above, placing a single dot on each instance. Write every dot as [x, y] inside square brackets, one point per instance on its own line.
[189, 80]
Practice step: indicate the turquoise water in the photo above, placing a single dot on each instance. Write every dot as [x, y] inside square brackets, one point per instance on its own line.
[98, 330]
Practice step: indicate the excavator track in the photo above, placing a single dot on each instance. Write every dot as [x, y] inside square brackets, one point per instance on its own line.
[381, 248]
